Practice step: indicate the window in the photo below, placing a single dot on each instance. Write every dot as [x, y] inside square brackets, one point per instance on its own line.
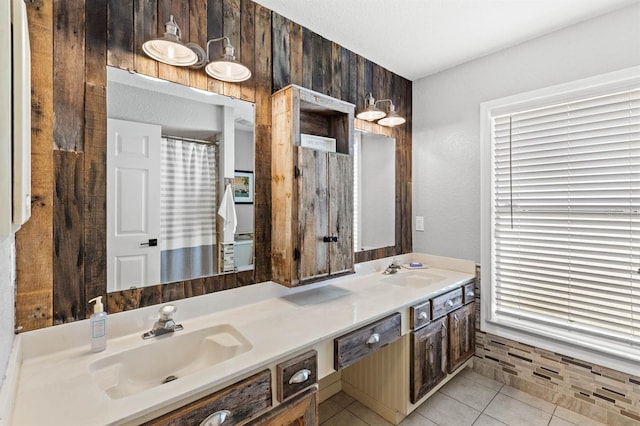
[561, 217]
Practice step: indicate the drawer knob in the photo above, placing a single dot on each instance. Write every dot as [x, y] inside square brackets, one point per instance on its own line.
[449, 303]
[422, 316]
[470, 293]
[300, 376]
[374, 338]
[216, 419]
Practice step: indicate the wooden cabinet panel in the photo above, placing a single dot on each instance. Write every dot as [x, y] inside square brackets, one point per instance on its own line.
[428, 358]
[313, 213]
[300, 411]
[462, 335]
[445, 303]
[420, 314]
[341, 213]
[243, 400]
[296, 374]
[312, 190]
[365, 341]
[469, 292]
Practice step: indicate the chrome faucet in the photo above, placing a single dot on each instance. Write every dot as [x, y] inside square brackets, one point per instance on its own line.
[165, 323]
[393, 268]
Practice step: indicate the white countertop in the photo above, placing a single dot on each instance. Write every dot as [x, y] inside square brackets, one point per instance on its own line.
[49, 381]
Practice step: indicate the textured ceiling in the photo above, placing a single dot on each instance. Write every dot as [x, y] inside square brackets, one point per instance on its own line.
[416, 38]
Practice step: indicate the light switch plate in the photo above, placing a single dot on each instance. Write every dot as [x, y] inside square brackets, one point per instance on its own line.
[419, 223]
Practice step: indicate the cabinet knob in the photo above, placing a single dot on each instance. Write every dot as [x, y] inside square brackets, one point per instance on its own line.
[374, 338]
[449, 303]
[300, 376]
[216, 419]
[422, 316]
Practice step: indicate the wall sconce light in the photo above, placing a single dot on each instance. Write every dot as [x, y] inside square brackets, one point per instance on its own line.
[169, 49]
[372, 113]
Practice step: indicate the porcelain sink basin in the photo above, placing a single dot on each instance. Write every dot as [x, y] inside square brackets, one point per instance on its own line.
[166, 358]
[413, 279]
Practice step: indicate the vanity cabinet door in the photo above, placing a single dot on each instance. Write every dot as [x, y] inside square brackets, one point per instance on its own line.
[428, 358]
[229, 406]
[313, 214]
[462, 335]
[300, 411]
[325, 204]
[340, 213]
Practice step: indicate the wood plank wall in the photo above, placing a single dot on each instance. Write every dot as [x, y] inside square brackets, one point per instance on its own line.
[61, 251]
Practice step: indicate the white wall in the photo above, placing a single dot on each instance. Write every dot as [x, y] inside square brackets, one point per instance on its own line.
[446, 125]
[7, 297]
[244, 160]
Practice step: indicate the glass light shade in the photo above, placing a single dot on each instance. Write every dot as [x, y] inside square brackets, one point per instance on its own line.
[169, 49]
[392, 119]
[170, 52]
[227, 69]
[371, 113]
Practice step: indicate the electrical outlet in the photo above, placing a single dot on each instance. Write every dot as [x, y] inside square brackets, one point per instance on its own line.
[419, 223]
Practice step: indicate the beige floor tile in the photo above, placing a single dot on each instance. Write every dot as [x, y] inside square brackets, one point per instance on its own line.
[415, 419]
[446, 411]
[344, 418]
[516, 413]
[534, 401]
[328, 409]
[342, 399]
[485, 420]
[470, 393]
[557, 421]
[575, 418]
[469, 374]
[367, 415]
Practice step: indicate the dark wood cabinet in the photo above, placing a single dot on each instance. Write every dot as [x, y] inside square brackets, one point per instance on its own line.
[296, 374]
[231, 405]
[366, 340]
[444, 344]
[311, 189]
[299, 411]
[428, 358]
[462, 335]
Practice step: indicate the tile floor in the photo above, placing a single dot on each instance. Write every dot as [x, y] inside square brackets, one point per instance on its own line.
[468, 399]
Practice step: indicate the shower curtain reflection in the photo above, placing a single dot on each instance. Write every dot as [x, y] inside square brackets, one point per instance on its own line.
[187, 212]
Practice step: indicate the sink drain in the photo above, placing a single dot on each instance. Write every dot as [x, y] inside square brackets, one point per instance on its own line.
[169, 379]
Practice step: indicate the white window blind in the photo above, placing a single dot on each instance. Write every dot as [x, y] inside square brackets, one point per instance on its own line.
[565, 229]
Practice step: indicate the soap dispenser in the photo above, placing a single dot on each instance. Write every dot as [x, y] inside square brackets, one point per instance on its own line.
[98, 323]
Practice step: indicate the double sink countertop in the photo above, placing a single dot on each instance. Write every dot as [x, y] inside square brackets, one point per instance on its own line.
[53, 378]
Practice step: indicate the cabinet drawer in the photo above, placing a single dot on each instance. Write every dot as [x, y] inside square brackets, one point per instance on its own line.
[469, 292]
[446, 303]
[420, 314]
[296, 374]
[238, 402]
[366, 340]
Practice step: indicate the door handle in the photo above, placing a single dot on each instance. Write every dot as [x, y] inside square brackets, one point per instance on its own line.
[150, 243]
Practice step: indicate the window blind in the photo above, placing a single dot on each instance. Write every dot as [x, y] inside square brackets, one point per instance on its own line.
[566, 217]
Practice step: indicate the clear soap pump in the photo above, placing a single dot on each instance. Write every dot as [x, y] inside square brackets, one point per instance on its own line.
[98, 323]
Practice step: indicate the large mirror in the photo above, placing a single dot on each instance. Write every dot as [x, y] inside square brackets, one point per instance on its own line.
[374, 191]
[180, 169]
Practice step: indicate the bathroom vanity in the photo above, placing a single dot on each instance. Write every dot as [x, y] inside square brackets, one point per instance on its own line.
[255, 354]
